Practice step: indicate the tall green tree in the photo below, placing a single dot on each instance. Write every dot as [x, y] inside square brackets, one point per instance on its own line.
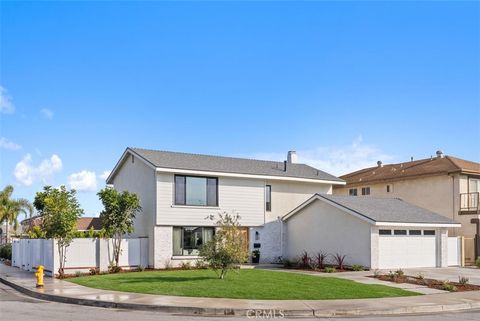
[11, 208]
[120, 209]
[60, 211]
[228, 248]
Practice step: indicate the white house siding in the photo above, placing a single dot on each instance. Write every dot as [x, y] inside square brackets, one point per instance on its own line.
[286, 195]
[322, 227]
[139, 178]
[244, 196]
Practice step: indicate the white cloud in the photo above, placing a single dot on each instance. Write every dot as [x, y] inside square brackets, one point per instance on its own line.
[8, 144]
[25, 173]
[336, 160]
[105, 175]
[47, 113]
[6, 104]
[84, 181]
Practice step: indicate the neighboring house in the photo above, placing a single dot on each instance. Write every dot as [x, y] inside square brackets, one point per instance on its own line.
[443, 184]
[178, 191]
[83, 223]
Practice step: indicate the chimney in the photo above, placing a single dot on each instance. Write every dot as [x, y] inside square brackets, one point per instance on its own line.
[440, 154]
[292, 157]
[380, 164]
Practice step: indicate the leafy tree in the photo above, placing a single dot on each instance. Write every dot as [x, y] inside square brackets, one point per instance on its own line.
[11, 208]
[60, 211]
[120, 209]
[227, 248]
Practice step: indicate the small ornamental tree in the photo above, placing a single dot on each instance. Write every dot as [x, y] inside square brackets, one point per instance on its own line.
[120, 209]
[60, 211]
[227, 248]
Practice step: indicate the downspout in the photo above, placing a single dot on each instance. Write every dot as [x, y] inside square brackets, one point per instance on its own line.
[281, 236]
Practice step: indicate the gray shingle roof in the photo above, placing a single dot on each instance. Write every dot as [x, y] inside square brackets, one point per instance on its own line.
[391, 210]
[223, 164]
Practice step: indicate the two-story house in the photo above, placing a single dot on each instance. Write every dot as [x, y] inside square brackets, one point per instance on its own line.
[285, 209]
[443, 184]
[178, 191]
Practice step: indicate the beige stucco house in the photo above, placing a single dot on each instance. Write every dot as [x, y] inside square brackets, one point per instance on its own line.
[443, 184]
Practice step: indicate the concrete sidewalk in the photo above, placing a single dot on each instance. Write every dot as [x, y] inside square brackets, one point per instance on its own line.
[63, 291]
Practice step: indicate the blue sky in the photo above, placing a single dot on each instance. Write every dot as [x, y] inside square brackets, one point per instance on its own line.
[345, 84]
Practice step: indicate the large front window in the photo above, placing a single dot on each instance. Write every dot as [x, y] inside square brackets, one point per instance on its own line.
[188, 240]
[196, 191]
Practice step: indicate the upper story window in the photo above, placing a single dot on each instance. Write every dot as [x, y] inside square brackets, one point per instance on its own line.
[352, 192]
[196, 191]
[365, 190]
[268, 198]
[473, 185]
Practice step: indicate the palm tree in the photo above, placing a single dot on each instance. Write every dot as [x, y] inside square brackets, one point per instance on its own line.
[10, 208]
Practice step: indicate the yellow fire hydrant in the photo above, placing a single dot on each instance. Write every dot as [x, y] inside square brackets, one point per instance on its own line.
[39, 276]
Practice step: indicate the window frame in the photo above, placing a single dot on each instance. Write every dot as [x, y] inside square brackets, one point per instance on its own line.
[182, 239]
[384, 232]
[354, 190]
[185, 190]
[417, 232]
[430, 232]
[268, 195]
[364, 191]
[400, 232]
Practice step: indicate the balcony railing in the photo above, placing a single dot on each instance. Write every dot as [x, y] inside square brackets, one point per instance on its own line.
[469, 202]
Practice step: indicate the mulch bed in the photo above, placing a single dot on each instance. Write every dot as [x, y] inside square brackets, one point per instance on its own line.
[431, 283]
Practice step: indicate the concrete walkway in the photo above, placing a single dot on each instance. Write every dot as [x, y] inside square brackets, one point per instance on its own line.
[63, 291]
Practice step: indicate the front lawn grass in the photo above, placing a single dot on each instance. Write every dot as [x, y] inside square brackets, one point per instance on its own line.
[242, 284]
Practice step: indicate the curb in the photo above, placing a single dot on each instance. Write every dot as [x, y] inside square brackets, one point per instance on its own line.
[244, 312]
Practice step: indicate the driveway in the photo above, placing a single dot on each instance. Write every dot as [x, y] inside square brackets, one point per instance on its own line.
[451, 273]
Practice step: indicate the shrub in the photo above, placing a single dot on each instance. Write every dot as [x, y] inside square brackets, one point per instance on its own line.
[477, 262]
[36, 232]
[447, 286]
[78, 273]
[339, 260]
[399, 273]
[357, 267]
[305, 260]
[376, 273]
[141, 268]
[112, 268]
[227, 248]
[321, 258]
[463, 280]
[201, 265]
[6, 251]
[186, 266]
[94, 271]
[329, 269]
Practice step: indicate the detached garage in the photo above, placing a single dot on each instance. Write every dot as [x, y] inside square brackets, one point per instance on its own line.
[383, 233]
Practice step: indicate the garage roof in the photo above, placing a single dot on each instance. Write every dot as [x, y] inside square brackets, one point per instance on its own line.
[378, 210]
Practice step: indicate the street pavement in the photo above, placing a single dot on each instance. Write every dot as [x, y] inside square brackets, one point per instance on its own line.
[18, 307]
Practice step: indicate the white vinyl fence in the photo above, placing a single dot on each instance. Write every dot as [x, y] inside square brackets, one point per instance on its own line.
[454, 251]
[83, 254]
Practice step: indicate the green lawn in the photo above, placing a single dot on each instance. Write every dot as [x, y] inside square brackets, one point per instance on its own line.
[246, 284]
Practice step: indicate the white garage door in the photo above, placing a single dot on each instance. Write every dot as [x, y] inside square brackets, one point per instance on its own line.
[406, 248]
